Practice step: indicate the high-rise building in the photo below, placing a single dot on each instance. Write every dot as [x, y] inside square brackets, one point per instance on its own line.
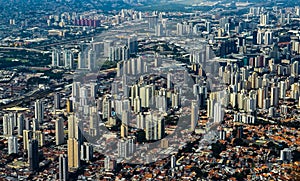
[218, 113]
[12, 145]
[56, 60]
[27, 135]
[282, 92]
[125, 122]
[63, 168]
[222, 135]
[68, 57]
[194, 115]
[286, 155]
[20, 124]
[59, 131]
[106, 107]
[268, 39]
[173, 161]
[109, 165]
[74, 130]
[33, 155]
[39, 111]
[8, 127]
[155, 127]
[40, 137]
[73, 153]
[69, 106]
[86, 151]
[57, 100]
[264, 19]
[158, 30]
[91, 60]
[132, 44]
[295, 69]
[274, 96]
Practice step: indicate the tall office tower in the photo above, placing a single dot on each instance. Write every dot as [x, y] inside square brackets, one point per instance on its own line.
[268, 39]
[282, 91]
[218, 113]
[106, 107]
[57, 100]
[33, 155]
[132, 44]
[59, 131]
[63, 168]
[39, 111]
[194, 115]
[158, 30]
[12, 145]
[73, 153]
[56, 62]
[27, 135]
[20, 124]
[274, 96]
[86, 151]
[91, 60]
[264, 19]
[286, 155]
[68, 59]
[125, 122]
[295, 69]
